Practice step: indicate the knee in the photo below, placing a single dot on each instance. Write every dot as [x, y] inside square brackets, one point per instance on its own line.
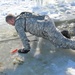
[66, 34]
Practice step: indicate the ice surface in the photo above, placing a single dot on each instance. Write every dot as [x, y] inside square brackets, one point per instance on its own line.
[44, 58]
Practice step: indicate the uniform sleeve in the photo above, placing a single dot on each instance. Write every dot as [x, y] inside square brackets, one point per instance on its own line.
[20, 30]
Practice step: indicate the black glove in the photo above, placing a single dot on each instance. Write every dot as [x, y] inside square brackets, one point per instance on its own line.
[23, 51]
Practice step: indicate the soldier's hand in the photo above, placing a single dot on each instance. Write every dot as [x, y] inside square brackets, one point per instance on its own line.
[23, 51]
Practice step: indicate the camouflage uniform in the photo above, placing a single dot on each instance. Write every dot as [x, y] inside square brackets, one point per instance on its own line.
[42, 28]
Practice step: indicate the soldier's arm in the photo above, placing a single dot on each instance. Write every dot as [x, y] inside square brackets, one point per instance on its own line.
[20, 29]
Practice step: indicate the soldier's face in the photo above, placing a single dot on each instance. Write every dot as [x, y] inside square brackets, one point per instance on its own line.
[11, 21]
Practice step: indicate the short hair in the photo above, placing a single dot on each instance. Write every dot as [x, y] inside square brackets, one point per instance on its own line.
[9, 17]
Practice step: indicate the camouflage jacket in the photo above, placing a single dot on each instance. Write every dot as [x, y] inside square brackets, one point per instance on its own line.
[42, 28]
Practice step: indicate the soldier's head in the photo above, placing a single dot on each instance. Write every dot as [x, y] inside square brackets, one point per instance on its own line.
[10, 19]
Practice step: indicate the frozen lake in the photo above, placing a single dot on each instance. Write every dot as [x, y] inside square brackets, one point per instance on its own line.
[44, 58]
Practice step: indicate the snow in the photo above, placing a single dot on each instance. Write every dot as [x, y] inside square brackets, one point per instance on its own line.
[44, 58]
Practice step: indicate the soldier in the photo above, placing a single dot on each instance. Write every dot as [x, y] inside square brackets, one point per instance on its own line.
[41, 26]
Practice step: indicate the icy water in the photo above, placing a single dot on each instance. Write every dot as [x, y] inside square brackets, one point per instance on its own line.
[44, 58]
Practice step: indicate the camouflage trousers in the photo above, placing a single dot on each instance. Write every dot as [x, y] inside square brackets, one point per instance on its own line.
[54, 36]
